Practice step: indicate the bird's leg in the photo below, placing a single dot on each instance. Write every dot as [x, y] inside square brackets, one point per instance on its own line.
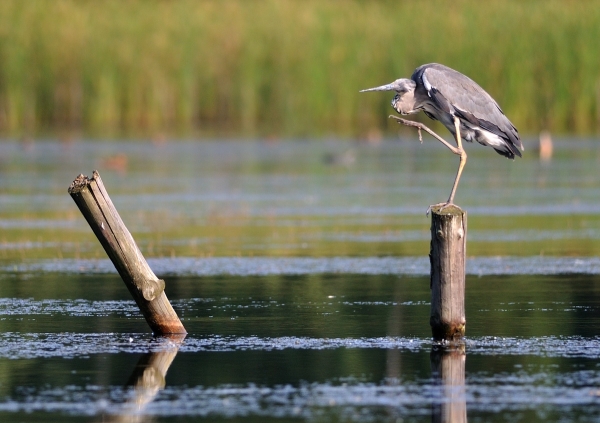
[459, 151]
[463, 160]
[420, 127]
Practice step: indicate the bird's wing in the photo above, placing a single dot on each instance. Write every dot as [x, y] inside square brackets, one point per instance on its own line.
[458, 94]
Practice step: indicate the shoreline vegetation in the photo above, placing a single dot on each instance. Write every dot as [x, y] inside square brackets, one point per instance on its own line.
[285, 68]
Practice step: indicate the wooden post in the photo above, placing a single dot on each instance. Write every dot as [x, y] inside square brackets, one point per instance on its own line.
[147, 290]
[448, 257]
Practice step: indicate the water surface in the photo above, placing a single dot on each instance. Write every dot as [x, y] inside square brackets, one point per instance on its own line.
[300, 271]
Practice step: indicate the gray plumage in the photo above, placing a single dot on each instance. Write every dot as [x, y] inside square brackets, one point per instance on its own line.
[443, 93]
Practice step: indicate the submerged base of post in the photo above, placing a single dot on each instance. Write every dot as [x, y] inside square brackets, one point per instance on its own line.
[448, 258]
[147, 290]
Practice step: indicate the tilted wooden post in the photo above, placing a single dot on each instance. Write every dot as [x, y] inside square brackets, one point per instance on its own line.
[147, 290]
[448, 258]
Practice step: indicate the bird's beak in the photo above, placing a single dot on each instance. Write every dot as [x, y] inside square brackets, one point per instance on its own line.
[387, 87]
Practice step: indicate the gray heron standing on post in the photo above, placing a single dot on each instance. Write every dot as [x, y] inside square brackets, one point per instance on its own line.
[461, 105]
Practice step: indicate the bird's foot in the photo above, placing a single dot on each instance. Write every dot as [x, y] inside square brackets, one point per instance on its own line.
[441, 206]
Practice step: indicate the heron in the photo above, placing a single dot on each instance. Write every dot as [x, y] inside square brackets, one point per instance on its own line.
[461, 105]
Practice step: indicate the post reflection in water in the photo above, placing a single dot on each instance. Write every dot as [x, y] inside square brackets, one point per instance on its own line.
[148, 378]
[394, 328]
[448, 370]
[393, 368]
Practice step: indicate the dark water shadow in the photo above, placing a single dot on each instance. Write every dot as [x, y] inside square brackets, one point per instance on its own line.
[148, 379]
[448, 371]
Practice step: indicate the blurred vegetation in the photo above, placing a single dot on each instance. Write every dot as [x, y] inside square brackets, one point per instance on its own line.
[283, 67]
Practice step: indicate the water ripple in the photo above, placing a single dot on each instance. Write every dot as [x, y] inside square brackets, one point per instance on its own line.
[262, 266]
[352, 400]
[15, 345]
[74, 308]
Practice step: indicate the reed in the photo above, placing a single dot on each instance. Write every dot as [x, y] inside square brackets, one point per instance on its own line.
[284, 67]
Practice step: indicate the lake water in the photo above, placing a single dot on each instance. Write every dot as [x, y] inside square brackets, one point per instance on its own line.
[300, 271]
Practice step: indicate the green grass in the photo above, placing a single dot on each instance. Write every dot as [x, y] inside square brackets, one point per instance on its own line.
[285, 68]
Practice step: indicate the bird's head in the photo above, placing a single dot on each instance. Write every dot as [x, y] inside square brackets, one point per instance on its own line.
[404, 100]
[401, 86]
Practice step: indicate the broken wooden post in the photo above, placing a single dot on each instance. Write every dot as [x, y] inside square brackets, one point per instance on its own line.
[147, 290]
[448, 258]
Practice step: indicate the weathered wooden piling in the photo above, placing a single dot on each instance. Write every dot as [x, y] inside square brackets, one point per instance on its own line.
[448, 258]
[147, 290]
